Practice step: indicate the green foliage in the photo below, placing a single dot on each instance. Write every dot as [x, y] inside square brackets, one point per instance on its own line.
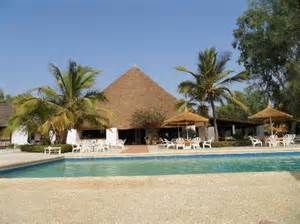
[148, 119]
[255, 100]
[41, 148]
[231, 143]
[268, 37]
[67, 106]
[210, 83]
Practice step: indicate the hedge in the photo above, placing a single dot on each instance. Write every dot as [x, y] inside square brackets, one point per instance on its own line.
[41, 148]
[231, 143]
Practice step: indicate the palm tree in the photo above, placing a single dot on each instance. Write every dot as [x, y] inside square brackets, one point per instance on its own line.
[59, 109]
[210, 84]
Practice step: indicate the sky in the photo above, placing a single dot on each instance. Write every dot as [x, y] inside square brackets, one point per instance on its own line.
[112, 36]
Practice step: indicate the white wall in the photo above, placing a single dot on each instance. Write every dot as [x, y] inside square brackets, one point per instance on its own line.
[112, 135]
[210, 133]
[19, 137]
[73, 137]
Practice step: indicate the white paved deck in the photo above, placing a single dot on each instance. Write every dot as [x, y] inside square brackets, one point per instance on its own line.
[12, 159]
[240, 198]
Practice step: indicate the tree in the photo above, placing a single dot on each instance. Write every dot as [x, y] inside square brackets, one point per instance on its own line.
[150, 120]
[187, 103]
[268, 38]
[255, 101]
[59, 109]
[210, 83]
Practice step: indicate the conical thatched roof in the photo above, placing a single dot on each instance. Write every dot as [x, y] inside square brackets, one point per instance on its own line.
[270, 112]
[135, 91]
[186, 118]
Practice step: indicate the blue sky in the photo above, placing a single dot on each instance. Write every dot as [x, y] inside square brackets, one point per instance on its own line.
[112, 36]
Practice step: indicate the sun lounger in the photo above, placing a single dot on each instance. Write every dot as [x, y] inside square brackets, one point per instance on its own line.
[76, 148]
[121, 143]
[273, 141]
[180, 143]
[207, 143]
[168, 144]
[255, 141]
[49, 150]
[287, 140]
[196, 143]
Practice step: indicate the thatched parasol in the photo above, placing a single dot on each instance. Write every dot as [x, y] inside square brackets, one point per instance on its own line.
[186, 118]
[271, 114]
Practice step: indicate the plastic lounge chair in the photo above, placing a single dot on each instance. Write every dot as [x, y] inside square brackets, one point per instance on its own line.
[180, 143]
[99, 147]
[255, 141]
[196, 143]
[272, 141]
[287, 140]
[50, 150]
[293, 136]
[76, 148]
[169, 144]
[207, 143]
[121, 143]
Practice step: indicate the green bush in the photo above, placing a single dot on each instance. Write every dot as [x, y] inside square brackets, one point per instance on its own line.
[231, 143]
[40, 148]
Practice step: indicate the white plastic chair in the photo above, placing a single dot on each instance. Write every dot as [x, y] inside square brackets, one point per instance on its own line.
[207, 143]
[76, 148]
[255, 141]
[168, 143]
[196, 143]
[273, 141]
[121, 143]
[180, 143]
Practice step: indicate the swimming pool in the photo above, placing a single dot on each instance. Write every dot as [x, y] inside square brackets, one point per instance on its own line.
[161, 165]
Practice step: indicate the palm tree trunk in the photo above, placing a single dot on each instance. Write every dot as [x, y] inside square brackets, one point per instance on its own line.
[215, 120]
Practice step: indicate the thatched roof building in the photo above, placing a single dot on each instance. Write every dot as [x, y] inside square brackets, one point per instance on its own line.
[6, 111]
[134, 91]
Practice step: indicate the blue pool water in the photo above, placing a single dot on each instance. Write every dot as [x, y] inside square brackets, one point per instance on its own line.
[163, 165]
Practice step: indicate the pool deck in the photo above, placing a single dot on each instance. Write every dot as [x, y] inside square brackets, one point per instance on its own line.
[15, 159]
[260, 198]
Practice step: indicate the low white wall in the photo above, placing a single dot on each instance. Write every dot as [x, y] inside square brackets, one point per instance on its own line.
[19, 137]
[112, 135]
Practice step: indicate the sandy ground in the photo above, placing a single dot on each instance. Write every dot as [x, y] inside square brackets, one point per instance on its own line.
[272, 197]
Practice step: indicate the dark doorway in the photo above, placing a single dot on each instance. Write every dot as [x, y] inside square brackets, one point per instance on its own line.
[93, 134]
[133, 136]
[169, 133]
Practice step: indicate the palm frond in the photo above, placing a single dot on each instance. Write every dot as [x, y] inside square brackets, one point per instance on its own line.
[58, 77]
[236, 78]
[185, 70]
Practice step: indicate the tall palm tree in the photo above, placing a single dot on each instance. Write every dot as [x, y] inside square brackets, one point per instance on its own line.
[59, 109]
[210, 83]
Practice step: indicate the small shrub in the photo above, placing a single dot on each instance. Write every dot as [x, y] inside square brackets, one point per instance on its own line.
[40, 148]
[231, 143]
